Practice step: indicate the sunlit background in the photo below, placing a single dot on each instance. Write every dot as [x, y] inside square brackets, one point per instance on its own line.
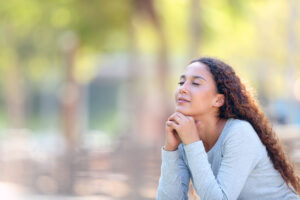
[86, 86]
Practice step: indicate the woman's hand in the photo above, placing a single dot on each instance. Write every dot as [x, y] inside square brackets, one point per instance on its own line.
[172, 138]
[185, 127]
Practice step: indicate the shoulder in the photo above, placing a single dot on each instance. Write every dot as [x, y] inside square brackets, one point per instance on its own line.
[242, 132]
[241, 128]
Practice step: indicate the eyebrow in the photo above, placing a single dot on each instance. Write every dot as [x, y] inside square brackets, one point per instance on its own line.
[183, 76]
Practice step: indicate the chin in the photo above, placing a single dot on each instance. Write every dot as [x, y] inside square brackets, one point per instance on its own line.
[183, 111]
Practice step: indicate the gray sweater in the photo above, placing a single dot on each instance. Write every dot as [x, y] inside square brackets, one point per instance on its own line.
[237, 167]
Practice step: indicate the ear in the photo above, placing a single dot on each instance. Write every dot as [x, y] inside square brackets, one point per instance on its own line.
[219, 100]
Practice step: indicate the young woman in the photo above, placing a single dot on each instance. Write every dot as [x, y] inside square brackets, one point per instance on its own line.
[220, 139]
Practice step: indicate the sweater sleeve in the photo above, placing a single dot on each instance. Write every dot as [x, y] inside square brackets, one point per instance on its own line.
[175, 177]
[241, 149]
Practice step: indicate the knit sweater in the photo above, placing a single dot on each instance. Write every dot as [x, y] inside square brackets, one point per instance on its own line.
[236, 167]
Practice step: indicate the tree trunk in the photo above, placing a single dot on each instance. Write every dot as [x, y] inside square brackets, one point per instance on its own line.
[195, 29]
[14, 96]
[70, 105]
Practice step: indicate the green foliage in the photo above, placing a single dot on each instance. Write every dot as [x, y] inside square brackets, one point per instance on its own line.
[31, 30]
[252, 35]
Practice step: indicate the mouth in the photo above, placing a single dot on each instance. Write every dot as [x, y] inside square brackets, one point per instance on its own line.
[182, 100]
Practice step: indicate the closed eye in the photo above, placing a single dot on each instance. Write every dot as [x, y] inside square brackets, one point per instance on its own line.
[181, 83]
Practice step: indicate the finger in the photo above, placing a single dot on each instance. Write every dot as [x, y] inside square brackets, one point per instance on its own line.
[172, 124]
[171, 118]
[182, 116]
[172, 128]
[169, 123]
[185, 116]
[191, 118]
[176, 118]
[172, 115]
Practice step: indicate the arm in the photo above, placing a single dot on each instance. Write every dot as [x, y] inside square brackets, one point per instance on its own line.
[240, 155]
[175, 177]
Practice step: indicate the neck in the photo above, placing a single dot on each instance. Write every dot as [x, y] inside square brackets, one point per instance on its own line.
[209, 130]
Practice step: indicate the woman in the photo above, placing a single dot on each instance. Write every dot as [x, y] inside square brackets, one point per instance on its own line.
[220, 139]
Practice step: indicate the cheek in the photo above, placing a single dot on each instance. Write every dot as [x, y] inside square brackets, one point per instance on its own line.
[176, 93]
[202, 98]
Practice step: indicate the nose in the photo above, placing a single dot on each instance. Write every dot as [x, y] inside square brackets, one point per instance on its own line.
[183, 88]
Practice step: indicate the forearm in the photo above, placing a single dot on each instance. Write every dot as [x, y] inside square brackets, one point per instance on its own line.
[170, 183]
[204, 180]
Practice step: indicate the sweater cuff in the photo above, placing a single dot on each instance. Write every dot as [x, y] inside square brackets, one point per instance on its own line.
[194, 149]
[169, 156]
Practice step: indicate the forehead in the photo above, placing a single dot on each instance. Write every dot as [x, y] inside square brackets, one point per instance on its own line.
[197, 69]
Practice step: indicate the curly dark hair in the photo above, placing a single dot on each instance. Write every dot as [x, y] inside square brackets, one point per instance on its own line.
[240, 104]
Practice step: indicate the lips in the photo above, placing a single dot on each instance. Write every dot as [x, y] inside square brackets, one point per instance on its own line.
[183, 100]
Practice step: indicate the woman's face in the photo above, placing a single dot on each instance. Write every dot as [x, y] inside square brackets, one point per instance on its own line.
[196, 93]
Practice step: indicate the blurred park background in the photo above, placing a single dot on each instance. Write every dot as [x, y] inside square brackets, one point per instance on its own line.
[86, 86]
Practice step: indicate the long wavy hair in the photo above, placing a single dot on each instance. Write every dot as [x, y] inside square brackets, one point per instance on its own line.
[240, 104]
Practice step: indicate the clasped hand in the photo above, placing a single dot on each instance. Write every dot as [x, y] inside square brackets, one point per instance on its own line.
[180, 128]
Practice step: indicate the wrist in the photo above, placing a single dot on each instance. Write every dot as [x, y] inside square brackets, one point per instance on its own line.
[168, 148]
[191, 141]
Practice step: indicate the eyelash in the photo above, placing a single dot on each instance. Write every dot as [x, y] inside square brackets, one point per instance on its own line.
[180, 83]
